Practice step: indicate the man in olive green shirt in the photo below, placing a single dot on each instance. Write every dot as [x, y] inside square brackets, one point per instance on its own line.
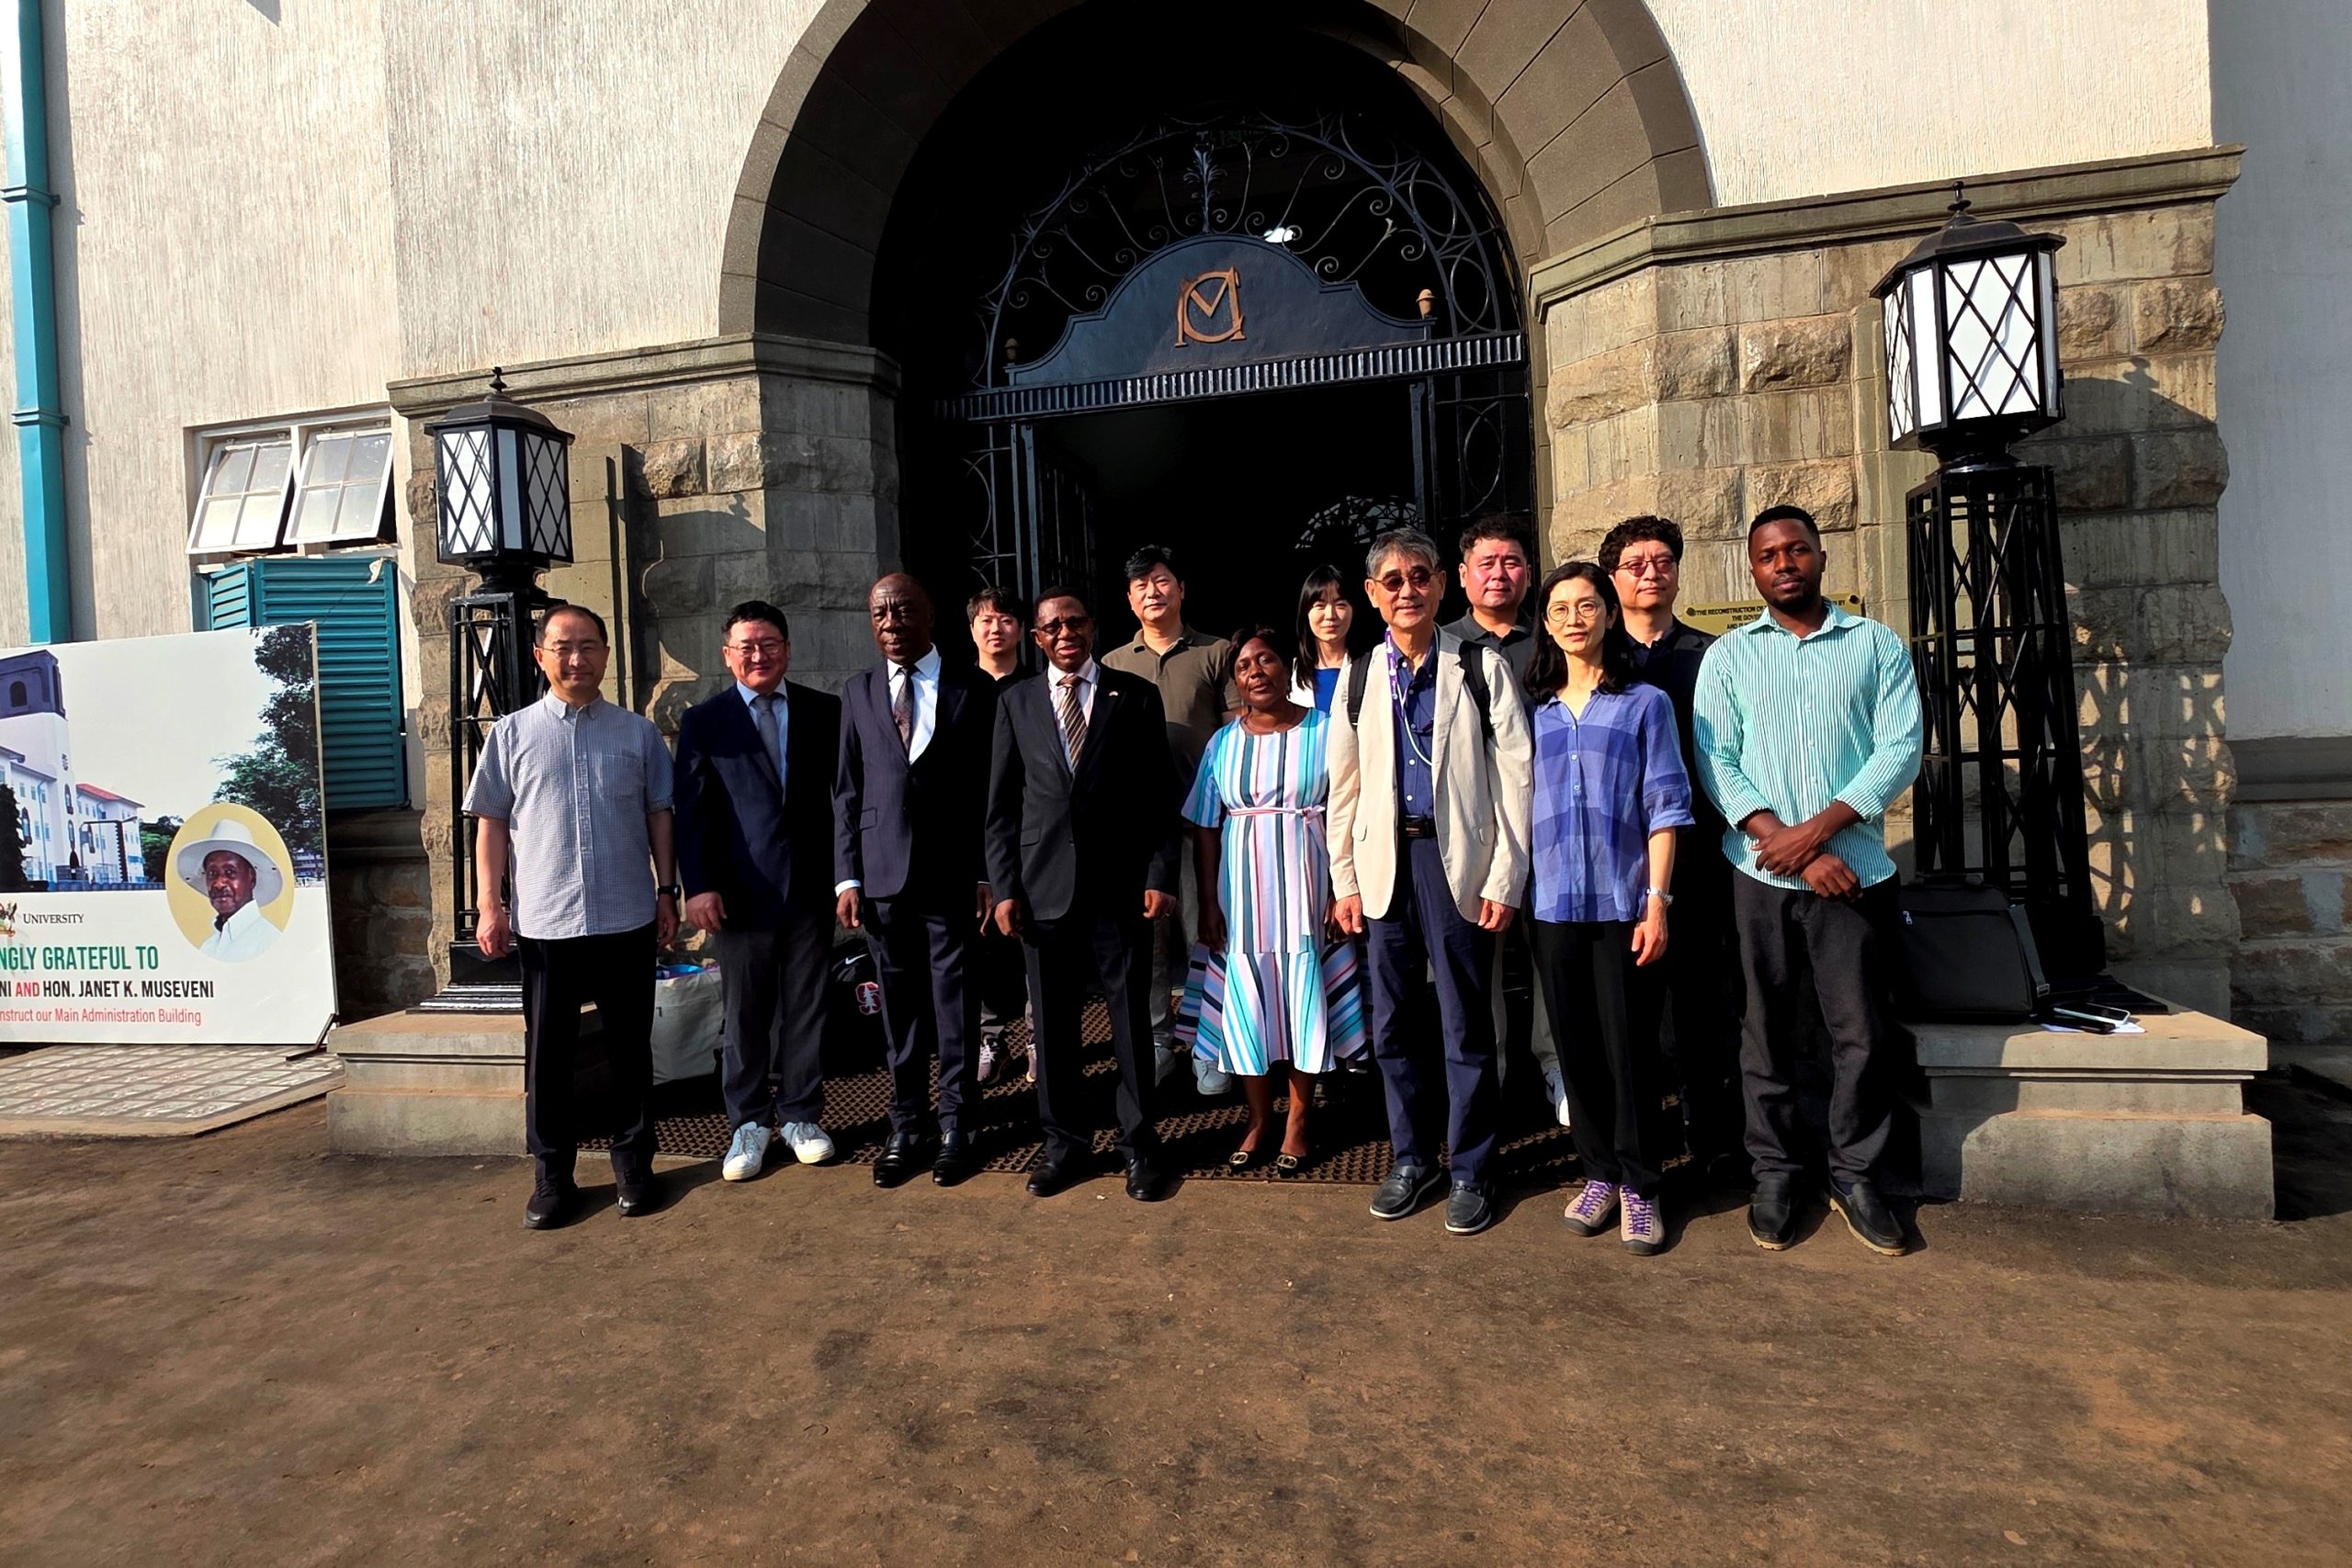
[1194, 674]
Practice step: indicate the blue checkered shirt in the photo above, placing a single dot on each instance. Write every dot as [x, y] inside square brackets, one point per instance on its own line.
[1603, 785]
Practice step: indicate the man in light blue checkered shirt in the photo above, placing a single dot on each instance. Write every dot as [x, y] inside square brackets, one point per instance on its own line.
[1807, 728]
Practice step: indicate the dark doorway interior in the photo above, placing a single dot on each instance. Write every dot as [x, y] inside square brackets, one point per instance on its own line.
[1249, 492]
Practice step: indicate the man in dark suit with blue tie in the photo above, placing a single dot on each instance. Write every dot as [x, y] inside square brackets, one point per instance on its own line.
[755, 852]
[908, 867]
[1083, 794]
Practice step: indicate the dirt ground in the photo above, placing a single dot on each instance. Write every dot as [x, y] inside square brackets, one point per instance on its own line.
[236, 1349]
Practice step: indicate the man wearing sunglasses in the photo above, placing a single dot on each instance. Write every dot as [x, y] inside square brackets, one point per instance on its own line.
[1428, 818]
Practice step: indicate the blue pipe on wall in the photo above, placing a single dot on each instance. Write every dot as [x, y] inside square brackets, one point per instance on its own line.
[39, 418]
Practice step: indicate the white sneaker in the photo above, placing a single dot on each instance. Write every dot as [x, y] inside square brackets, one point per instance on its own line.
[1210, 1078]
[1165, 1060]
[1559, 1093]
[746, 1154]
[809, 1144]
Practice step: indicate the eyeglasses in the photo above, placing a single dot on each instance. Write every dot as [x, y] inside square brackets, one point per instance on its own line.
[1420, 576]
[756, 649]
[570, 649]
[1646, 566]
[1073, 623]
[1561, 614]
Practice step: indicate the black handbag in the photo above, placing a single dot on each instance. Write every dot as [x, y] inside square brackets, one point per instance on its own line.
[1968, 954]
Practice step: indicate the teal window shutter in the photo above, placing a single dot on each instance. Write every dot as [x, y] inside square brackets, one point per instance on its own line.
[351, 600]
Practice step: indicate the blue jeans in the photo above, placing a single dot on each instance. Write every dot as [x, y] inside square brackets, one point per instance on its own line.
[1423, 931]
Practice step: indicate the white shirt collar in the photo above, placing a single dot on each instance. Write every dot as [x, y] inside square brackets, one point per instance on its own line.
[927, 667]
[751, 697]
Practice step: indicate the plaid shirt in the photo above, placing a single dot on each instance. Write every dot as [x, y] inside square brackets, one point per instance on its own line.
[1603, 785]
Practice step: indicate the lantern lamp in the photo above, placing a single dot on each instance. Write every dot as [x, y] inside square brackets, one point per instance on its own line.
[503, 474]
[1972, 338]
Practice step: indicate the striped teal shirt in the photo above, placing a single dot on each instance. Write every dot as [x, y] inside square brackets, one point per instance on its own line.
[1787, 725]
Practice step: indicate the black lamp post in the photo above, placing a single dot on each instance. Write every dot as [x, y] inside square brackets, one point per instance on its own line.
[1972, 359]
[502, 479]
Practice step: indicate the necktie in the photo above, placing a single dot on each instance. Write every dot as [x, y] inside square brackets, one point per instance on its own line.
[764, 715]
[902, 703]
[1073, 721]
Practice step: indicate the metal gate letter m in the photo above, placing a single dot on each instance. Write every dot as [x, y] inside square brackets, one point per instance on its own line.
[1208, 310]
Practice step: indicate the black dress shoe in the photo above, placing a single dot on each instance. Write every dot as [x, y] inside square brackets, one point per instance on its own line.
[1773, 1212]
[905, 1154]
[1050, 1178]
[956, 1159]
[552, 1204]
[639, 1195]
[1144, 1185]
[1867, 1215]
[1470, 1208]
[1406, 1189]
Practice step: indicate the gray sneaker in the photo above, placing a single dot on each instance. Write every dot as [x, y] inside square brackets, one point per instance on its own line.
[1406, 1189]
[1209, 1078]
[1643, 1229]
[1471, 1209]
[1589, 1211]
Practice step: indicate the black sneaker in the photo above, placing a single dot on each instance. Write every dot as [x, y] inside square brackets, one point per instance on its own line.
[1773, 1212]
[1471, 1209]
[1407, 1187]
[1867, 1215]
[552, 1204]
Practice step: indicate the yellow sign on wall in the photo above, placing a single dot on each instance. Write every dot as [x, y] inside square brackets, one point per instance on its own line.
[1718, 619]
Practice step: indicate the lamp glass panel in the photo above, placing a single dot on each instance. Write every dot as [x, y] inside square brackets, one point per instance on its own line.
[468, 520]
[2045, 295]
[1926, 352]
[1991, 352]
[513, 537]
[1901, 391]
[546, 482]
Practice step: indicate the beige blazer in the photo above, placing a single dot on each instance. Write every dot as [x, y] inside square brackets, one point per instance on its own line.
[1485, 792]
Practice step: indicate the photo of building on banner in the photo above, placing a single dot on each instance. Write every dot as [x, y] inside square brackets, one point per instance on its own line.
[162, 848]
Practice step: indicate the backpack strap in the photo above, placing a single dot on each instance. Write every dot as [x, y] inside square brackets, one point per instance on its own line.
[1359, 669]
[1474, 682]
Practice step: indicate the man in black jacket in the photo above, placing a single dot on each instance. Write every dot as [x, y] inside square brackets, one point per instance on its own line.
[1083, 792]
[755, 850]
[916, 736]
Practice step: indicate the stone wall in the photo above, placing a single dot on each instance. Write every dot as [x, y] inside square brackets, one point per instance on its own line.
[1706, 372]
[702, 475]
[2290, 872]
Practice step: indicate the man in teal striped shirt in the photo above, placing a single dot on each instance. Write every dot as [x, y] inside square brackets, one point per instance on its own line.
[1807, 727]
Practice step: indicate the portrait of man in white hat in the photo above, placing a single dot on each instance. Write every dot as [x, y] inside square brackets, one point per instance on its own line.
[236, 876]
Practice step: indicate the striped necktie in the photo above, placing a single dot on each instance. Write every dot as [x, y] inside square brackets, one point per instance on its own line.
[1073, 716]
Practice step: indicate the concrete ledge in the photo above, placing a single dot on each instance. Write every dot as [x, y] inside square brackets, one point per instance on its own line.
[2150, 1124]
[428, 1084]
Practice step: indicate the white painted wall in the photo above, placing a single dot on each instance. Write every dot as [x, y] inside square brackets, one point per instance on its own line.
[2283, 257]
[1802, 98]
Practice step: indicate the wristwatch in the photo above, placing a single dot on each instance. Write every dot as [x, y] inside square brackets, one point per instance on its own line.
[673, 890]
[1662, 897]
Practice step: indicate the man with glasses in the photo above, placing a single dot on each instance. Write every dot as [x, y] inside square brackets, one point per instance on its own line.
[1497, 566]
[1427, 825]
[755, 851]
[1081, 854]
[572, 806]
[1643, 557]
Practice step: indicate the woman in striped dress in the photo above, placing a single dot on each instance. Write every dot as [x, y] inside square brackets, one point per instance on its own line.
[1257, 815]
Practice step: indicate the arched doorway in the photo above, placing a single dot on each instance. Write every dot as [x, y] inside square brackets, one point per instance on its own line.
[1252, 313]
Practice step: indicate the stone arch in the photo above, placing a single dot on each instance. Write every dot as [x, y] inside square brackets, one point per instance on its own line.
[1577, 123]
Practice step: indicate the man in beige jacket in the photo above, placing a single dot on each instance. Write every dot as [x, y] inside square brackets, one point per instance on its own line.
[1428, 818]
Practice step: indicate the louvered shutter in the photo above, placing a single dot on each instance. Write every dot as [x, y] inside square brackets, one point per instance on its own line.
[350, 599]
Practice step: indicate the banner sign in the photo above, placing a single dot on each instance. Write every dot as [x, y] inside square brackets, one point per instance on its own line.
[162, 844]
[1718, 619]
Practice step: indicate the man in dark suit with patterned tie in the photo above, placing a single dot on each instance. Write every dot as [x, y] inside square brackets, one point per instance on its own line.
[908, 810]
[1083, 792]
[755, 851]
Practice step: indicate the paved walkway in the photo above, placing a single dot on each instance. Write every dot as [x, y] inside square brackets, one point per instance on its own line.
[234, 1349]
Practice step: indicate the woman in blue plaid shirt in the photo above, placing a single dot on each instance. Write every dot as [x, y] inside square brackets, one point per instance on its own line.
[1610, 792]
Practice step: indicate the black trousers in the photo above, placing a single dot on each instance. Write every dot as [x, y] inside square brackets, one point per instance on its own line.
[1079, 951]
[1604, 1011]
[1699, 1026]
[1791, 941]
[561, 975]
[923, 956]
[774, 984]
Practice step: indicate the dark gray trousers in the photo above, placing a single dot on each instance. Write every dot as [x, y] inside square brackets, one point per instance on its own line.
[773, 982]
[922, 956]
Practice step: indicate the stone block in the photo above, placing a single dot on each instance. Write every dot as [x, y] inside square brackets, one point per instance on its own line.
[1699, 433]
[1598, 387]
[2143, 394]
[704, 409]
[2163, 242]
[1794, 426]
[1691, 363]
[2181, 626]
[2174, 315]
[663, 470]
[2091, 476]
[2091, 326]
[2187, 468]
[419, 1084]
[2304, 971]
[677, 586]
[1630, 443]
[791, 460]
[1612, 316]
[2276, 905]
[2212, 1167]
[2143, 547]
[2278, 835]
[1825, 488]
[1810, 352]
[1703, 501]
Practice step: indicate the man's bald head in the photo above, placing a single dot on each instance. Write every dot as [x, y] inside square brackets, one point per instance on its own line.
[900, 612]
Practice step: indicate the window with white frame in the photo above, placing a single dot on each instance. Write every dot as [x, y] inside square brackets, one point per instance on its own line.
[305, 482]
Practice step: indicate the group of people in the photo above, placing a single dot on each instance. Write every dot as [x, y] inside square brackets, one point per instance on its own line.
[1678, 836]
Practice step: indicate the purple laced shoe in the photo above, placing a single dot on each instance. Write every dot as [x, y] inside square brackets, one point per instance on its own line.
[1589, 1210]
[1643, 1230]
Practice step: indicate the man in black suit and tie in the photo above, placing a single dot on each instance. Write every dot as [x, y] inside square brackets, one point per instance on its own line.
[755, 850]
[1083, 792]
[908, 812]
